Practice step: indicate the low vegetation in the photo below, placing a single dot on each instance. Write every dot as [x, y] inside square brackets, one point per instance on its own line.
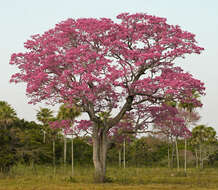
[45, 178]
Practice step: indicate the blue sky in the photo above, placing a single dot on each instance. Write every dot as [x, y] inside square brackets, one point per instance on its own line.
[22, 18]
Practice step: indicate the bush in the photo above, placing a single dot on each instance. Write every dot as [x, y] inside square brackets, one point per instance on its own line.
[8, 152]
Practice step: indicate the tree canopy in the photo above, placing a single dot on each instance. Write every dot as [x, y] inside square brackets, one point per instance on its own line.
[109, 66]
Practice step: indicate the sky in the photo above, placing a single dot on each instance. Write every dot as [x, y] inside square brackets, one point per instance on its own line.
[22, 18]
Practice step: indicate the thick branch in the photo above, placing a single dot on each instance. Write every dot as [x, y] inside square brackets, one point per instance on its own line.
[126, 107]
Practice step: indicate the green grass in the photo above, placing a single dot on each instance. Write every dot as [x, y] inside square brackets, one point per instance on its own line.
[44, 178]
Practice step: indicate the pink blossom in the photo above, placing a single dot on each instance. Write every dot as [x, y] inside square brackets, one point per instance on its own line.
[126, 68]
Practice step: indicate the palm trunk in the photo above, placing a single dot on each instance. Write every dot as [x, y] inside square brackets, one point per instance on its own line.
[173, 153]
[196, 157]
[53, 152]
[72, 156]
[44, 136]
[54, 164]
[124, 153]
[168, 152]
[201, 157]
[120, 158]
[185, 155]
[100, 145]
[65, 150]
[177, 154]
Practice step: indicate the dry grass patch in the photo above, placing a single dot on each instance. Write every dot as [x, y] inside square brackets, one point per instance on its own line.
[43, 178]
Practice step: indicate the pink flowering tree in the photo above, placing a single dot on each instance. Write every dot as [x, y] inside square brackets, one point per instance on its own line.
[113, 68]
[177, 126]
[172, 126]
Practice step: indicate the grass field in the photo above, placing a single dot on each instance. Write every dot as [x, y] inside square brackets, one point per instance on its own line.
[44, 178]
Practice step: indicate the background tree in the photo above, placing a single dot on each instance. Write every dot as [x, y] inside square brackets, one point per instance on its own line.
[203, 139]
[54, 132]
[7, 114]
[8, 150]
[213, 158]
[8, 139]
[31, 149]
[45, 115]
[69, 113]
[188, 113]
[173, 128]
[190, 117]
[103, 66]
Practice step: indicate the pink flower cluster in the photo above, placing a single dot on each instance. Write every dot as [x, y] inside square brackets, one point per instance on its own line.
[100, 64]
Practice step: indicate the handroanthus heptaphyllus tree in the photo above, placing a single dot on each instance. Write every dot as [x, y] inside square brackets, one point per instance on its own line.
[112, 68]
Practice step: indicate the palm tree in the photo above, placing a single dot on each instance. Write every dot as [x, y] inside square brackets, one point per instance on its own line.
[190, 116]
[203, 138]
[68, 112]
[44, 115]
[7, 114]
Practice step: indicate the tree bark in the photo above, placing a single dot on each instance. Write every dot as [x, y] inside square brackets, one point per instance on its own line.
[65, 150]
[202, 164]
[173, 153]
[185, 156]
[177, 154]
[54, 164]
[124, 153]
[168, 152]
[53, 152]
[120, 158]
[72, 156]
[100, 146]
[196, 157]
[44, 136]
[201, 157]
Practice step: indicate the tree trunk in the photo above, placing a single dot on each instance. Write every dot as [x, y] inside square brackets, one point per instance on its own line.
[185, 155]
[120, 158]
[173, 153]
[202, 164]
[65, 150]
[54, 164]
[100, 146]
[196, 157]
[177, 154]
[53, 152]
[72, 156]
[44, 136]
[168, 152]
[124, 153]
[201, 157]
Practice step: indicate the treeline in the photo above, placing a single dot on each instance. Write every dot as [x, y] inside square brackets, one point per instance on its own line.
[31, 143]
[22, 142]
